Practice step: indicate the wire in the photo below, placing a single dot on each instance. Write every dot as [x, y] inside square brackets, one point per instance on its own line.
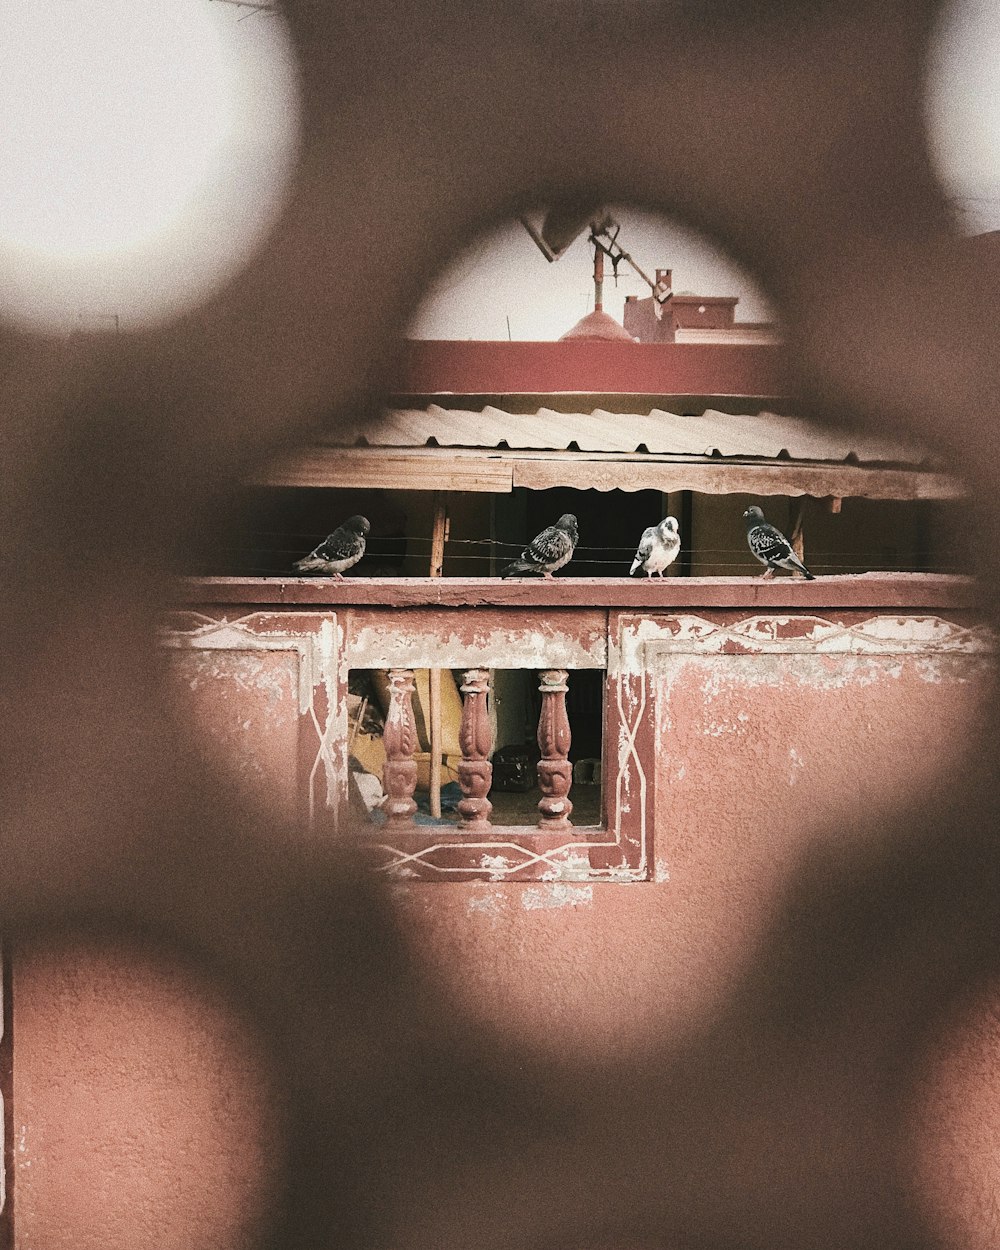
[700, 553]
[255, 555]
[742, 566]
[394, 547]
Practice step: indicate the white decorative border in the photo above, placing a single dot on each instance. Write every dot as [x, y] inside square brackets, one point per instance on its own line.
[879, 635]
[642, 637]
[502, 859]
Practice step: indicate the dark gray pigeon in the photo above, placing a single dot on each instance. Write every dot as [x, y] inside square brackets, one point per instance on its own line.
[547, 551]
[341, 550]
[770, 546]
[658, 548]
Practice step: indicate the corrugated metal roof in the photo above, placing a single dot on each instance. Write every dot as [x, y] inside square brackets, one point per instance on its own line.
[764, 435]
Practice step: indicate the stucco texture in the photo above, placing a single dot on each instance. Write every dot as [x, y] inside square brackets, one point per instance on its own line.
[761, 760]
[245, 705]
[143, 1115]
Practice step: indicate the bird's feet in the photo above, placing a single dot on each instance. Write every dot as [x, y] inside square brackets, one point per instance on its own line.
[767, 574]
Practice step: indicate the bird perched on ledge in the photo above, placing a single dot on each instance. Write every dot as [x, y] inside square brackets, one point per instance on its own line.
[547, 551]
[770, 546]
[339, 551]
[658, 548]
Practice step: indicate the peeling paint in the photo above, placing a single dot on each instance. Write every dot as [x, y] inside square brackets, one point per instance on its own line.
[661, 871]
[643, 640]
[570, 868]
[490, 904]
[401, 872]
[378, 647]
[717, 728]
[557, 895]
[624, 874]
[498, 865]
[797, 765]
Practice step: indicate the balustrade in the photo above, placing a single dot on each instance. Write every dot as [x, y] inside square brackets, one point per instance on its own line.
[399, 737]
[555, 772]
[475, 736]
[475, 772]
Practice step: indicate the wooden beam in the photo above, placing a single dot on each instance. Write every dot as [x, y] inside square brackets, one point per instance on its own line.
[498, 472]
[686, 527]
[785, 478]
[439, 533]
[796, 516]
[439, 537]
[372, 468]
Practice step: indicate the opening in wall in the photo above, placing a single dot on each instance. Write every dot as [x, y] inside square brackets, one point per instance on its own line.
[516, 747]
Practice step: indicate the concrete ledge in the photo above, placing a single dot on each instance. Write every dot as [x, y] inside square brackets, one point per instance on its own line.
[910, 591]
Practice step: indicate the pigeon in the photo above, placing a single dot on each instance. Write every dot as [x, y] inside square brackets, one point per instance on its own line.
[658, 547]
[770, 546]
[547, 551]
[341, 550]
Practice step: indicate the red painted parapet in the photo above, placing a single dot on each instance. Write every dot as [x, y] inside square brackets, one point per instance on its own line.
[691, 694]
[399, 777]
[457, 367]
[555, 772]
[475, 736]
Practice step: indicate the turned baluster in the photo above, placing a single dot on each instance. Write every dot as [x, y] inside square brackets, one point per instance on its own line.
[555, 772]
[475, 736]
[399, 775]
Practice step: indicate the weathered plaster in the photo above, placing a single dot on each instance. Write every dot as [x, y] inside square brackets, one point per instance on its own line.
[231, 654]
[394, 645]
[145, 1112]
[559, 894]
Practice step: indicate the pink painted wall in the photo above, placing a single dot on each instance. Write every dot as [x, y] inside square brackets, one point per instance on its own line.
[142, 1113]
[756, 769]
[141, 1108]
[254, 731]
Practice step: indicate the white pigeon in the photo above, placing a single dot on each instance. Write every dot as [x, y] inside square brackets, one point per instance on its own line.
[658, 547]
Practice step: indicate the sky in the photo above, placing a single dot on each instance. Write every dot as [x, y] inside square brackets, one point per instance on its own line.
[505, 276]
[963, 100]
[503, 286]
[149, 161]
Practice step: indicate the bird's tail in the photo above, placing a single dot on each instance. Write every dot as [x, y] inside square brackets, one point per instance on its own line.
[309, 564]
[518, 568]
[797, 563]
[635, 564]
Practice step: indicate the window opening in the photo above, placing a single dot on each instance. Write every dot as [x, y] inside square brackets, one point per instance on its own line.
[519, 748]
